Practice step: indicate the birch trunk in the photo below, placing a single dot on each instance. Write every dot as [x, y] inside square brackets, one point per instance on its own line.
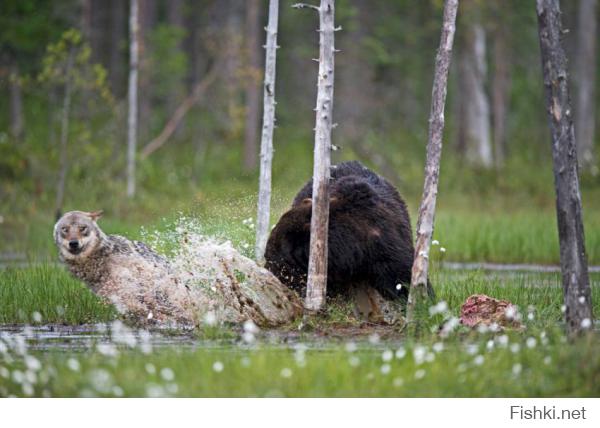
[418, 289]
[316, 286]
[133, 78]
[478, 142]
[573, 262]
[266, 144]
[64, 136]
[585, 106]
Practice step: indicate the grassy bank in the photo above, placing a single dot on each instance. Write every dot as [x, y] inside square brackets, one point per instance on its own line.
[48, 294]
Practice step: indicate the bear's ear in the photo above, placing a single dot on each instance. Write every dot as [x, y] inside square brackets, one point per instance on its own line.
[95, 215]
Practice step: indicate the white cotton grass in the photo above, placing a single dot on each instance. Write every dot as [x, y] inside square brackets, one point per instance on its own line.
[439, 308]
[517, 369]
[400, 353]
[387, 355]
[167, 374]
[218, 366]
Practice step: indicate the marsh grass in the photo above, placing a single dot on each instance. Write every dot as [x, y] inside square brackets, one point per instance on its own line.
[48, 294]
[537, 361]
[476, 366]
[51, 292]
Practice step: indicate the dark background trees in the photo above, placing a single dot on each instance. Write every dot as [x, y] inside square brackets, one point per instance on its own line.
[382, 95]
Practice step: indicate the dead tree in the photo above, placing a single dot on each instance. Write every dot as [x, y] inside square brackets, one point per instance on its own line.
[418, 287]
[573, 262]
[316, 287]
[133, 77]
[64, 135]
[266, 144]
[585, 68]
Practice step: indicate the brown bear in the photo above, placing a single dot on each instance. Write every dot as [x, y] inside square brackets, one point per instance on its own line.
[370, 236]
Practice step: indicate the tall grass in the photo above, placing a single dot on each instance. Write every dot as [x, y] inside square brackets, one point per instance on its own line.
[48, 294]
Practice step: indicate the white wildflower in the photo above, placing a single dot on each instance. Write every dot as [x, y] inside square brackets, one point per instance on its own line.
[400, 353]
[218, 366]
[73, 364]
[385, 369]
[502, 340]
[387, 355]
[419, 353]
[350, 346]
[167, 374]
[516, 369]
[32, 363]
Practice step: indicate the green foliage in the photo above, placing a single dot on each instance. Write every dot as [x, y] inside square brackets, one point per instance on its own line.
[69, 59]
[48, 294]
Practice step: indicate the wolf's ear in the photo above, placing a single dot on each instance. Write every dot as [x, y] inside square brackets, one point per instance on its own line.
[95, 215]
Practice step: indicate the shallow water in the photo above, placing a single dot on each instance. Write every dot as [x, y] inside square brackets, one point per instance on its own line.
[86, 337]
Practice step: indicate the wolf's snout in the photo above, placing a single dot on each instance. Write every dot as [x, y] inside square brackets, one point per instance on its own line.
[73, 245]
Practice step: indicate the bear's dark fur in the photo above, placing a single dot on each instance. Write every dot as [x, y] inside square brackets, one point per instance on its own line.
[370, 237]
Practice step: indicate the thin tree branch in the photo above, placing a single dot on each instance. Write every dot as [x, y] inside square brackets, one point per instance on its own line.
[180, 113]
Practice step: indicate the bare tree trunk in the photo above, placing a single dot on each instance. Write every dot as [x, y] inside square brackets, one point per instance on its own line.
[316, 287]
[64, 137]
[266, 143]
[420, 269]
[585, 102]
[500, 93]
[133, 77]
[475, 100]
[576, 282]
[16, 102]
[252, 89]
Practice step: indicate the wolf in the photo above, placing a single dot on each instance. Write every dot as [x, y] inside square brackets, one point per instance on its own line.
[129, 274]
[147, 288]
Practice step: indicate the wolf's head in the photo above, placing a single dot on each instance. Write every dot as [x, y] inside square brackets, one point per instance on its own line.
[77, 235]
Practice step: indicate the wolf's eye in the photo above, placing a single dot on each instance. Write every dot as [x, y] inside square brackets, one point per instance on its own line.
[64, 229]
[83, 229]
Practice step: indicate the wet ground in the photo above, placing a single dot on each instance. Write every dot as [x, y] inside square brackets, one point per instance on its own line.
[90, 336]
